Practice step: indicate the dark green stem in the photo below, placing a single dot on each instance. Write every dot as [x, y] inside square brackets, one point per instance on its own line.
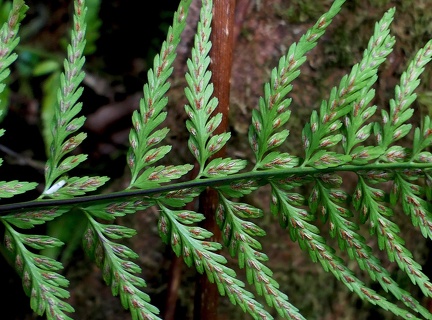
[262, 177]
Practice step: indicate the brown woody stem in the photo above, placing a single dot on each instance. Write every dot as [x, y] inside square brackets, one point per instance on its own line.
[206, 298]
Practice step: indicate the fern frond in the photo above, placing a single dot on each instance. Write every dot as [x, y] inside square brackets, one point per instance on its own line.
[8, 42]
[143, 137]
[334, 140]
[355, 130]
[394, 127]
[273, 110]
[9, 189]
[190, 243]
[40, 280]
[298, 220]
[319, 134]
[65, 122]
[371, 203]
[9, 39]
[117, 269]
[27, 219]
[379, 47]
[413, 202]
[238, 237]
[203, 143]
[345, 230]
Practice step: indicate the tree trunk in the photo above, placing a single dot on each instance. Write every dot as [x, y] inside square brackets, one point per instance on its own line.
[222, 38]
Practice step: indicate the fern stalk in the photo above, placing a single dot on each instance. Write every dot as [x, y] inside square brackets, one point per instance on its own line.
[260, 178]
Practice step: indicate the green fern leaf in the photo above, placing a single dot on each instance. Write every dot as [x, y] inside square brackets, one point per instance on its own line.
[238, 237]
[309, 239]
[28, 219]
[65, 124]
[117, 271]
[190, 244]
[273, 110]
[10, 188]
[143, 138]
[41, 282]
[8, 42]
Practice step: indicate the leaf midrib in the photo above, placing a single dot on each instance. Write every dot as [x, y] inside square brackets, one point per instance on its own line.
[261, 177]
